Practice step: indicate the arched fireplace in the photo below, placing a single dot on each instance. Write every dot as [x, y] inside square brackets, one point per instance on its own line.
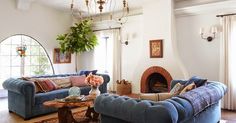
[155, 80]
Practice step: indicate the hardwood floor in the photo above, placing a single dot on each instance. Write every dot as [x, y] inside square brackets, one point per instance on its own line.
[6, 117]
[228, 116]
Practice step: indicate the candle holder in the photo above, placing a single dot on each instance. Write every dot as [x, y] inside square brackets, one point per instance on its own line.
[208, 37]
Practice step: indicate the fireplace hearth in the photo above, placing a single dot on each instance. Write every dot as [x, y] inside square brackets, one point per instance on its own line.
[155, 80]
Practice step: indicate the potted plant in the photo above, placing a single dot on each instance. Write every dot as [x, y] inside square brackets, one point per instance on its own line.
[80, 38]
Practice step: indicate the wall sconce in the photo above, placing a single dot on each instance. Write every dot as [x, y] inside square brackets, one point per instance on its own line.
[126, 41]
[208, 37]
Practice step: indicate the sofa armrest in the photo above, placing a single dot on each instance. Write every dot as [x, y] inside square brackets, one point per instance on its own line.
[19, 86]
[103, 87]
[106, 77]
[21, 95]
[173, 82]
[134, 110]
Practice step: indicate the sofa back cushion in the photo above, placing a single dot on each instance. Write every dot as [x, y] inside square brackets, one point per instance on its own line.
[87, 72]
[78, 81]
[197, 80]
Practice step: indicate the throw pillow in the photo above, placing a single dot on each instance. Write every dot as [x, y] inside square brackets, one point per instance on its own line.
[177, 89]
[78, 80]
[45, 85]
[156, 96]
[148, 96]
[197, 80]
[62, 82]
[87, 72]
[188, 88]
[33, 80]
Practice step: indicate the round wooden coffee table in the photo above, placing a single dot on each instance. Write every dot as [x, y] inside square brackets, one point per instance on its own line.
[64, 109]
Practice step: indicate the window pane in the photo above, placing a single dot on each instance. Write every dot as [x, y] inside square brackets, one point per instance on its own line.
[27, 52]
[16, 40]
[25, 40]
[5, 61]
[41, 51]
[34, 60]
[34, 70]
[5, 72]
[16, 61]
[5, 50]
[27, 70]
[27, 60]
[34, 50]
[13, 50]
[15, 71]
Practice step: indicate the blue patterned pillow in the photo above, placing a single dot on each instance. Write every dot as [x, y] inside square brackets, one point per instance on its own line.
[197, 80]
[87, 72]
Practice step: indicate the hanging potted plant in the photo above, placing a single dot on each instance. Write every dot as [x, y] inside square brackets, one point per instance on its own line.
[80, 38]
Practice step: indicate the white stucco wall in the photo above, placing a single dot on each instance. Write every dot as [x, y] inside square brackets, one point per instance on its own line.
[199, 56]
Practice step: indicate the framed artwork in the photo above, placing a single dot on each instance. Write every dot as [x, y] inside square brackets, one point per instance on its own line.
[156, 48]
[59, 57]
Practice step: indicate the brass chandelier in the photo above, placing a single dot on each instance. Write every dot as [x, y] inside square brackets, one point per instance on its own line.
[100, 4]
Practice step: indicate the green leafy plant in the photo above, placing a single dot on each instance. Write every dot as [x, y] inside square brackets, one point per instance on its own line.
[80, 38]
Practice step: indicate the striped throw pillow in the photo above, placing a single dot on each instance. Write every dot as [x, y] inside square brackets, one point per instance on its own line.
[45, 85]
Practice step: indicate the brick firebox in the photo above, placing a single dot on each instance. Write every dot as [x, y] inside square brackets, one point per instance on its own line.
[154, 70]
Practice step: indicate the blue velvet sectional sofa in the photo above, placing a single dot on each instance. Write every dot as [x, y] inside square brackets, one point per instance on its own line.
[121, 109]
[23, 100]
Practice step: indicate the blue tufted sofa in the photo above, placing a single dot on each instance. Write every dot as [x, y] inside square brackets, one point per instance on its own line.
[121, 109]
[23, 100]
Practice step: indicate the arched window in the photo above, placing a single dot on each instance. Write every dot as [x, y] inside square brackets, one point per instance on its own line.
[21, 55]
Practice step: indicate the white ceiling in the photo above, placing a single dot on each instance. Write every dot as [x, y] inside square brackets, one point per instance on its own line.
[117, 5]
[80, 4]
[188, 3]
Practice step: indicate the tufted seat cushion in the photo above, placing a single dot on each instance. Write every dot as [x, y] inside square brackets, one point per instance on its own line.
[40, 98]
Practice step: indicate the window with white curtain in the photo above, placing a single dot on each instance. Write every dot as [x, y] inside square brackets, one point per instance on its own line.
[103, 52]
[228, 61]
[107, 58]
[232, 54]
[15, 63]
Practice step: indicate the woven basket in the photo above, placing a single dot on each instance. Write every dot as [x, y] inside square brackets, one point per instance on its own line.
[123, 87]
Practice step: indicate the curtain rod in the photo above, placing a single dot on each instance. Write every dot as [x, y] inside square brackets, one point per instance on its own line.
[105, 29]
[225, 15]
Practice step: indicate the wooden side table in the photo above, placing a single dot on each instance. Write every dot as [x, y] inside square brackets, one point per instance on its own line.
[64, 109]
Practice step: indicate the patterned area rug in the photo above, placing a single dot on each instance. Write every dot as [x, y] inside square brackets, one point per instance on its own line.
[79, 116]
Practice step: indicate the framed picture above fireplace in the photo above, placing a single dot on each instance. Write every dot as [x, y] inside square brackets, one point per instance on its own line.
[156, 48]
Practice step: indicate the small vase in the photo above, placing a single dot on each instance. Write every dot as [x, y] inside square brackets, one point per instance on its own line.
[94, 91]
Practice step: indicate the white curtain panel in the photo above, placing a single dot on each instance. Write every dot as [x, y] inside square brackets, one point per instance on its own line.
[228, 61]
[116, 58]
